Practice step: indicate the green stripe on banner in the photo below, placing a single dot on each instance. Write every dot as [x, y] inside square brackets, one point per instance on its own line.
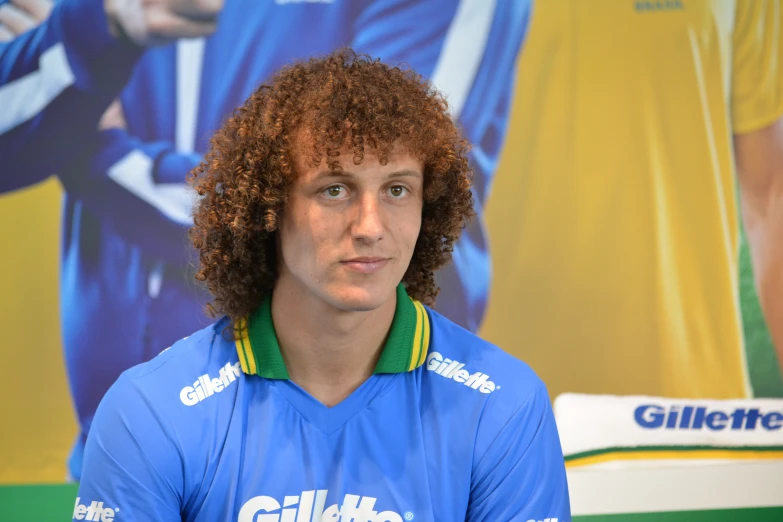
[37, 503]
[768, 514]
[635, 449]
[55, 502]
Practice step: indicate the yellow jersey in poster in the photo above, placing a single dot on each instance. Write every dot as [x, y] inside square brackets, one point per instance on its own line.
[613, 219]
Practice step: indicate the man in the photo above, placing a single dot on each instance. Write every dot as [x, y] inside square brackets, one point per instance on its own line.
[633, 119]
[326, 392]
[57, 78]
[125, 258]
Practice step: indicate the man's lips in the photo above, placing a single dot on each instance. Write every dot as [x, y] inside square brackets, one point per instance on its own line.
[366, 265]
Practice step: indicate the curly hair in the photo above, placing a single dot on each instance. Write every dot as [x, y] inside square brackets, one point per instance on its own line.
[341, 100]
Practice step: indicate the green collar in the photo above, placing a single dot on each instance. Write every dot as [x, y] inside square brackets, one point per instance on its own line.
[405, 349]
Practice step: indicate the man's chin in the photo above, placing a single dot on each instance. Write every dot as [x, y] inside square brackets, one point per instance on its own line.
[352, 298]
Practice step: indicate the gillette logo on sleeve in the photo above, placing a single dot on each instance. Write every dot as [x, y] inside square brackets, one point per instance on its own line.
[206, 386]
[453, 370]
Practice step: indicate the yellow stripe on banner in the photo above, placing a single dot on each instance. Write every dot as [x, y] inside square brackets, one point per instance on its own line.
[426, 340]
[717, 454]
[416, 348]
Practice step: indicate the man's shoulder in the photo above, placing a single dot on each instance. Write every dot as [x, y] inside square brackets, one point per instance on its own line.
[193, 351]
[458, 355]
[187, 371]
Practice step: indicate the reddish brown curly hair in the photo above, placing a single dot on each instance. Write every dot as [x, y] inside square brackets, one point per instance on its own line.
[343, 99]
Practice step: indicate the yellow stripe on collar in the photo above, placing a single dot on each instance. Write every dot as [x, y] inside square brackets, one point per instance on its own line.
[246, 357]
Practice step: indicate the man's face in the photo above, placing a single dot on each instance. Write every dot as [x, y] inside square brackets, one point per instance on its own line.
[348, 238]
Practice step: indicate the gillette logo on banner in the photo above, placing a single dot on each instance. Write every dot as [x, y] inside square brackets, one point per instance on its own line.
[655, 416]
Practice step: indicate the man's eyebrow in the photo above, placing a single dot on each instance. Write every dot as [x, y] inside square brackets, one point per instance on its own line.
[405, 173]
[350, 175]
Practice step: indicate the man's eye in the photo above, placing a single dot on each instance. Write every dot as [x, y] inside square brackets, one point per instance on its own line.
[334, 191]
[397, 191]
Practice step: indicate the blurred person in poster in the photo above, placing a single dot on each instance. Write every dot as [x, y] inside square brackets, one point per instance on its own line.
[62, 65]
[126, 287]
[631, 121]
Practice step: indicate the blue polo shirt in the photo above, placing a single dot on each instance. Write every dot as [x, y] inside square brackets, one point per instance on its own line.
[448, 428]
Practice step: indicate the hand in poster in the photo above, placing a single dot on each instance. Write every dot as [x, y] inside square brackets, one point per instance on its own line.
[18, 16]
[114, 117]
[151, 22]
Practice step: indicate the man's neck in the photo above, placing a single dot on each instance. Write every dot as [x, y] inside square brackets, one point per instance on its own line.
[327, 351]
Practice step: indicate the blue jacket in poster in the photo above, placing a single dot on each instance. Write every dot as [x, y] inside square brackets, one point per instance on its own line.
[55, 83]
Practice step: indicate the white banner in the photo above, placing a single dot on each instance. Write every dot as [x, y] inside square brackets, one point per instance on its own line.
[637, 430]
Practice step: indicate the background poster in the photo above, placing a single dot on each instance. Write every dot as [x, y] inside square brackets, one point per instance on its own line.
[619, 262]
[506, 69]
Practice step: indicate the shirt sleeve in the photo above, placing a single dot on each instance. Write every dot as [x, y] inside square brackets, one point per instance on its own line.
[757, 79]
[55, 82]
[132, 467]
[521, 474]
